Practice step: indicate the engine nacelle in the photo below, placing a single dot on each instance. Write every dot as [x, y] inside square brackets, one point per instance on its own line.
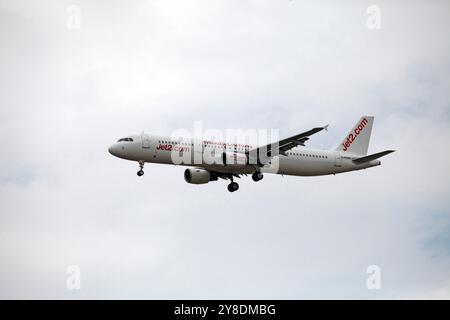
[197, 176]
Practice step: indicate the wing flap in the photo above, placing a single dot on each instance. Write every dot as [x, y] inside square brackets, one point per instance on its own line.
[284, 145]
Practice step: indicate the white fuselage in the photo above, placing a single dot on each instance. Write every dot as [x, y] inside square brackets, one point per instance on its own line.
[296, 162]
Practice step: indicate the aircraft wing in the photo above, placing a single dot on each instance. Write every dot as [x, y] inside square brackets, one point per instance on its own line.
[284, 145]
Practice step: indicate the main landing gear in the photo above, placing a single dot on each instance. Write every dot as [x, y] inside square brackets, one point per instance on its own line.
[141, 166]
[256, 176]
[233, 186]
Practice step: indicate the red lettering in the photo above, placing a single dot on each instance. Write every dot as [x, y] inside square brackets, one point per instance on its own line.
[352, 137]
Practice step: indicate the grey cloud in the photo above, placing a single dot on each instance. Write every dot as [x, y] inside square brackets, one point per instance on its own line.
[160, 65]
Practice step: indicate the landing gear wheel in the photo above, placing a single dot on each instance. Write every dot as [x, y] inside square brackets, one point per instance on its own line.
[141, 166]
[256, 176]
[233, 186]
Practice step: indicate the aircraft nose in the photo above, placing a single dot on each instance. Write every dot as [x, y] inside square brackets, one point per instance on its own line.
[113, 150]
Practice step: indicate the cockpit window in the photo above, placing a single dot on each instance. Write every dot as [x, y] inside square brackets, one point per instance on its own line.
[126, 139]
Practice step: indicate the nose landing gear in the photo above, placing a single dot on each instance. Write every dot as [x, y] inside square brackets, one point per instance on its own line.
[141, 167]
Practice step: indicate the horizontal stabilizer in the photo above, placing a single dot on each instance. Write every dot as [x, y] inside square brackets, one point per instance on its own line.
[372, 157]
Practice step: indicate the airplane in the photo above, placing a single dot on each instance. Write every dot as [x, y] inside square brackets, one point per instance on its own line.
[231, 160]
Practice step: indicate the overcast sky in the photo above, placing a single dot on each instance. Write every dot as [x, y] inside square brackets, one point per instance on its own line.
[69, 90]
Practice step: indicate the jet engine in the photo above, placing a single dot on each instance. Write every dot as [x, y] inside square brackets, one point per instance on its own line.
[197, 176]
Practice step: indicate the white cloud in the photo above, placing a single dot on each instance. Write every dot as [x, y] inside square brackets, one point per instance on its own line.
[158, 66]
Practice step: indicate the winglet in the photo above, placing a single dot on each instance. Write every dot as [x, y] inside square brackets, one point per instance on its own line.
[326, 127]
